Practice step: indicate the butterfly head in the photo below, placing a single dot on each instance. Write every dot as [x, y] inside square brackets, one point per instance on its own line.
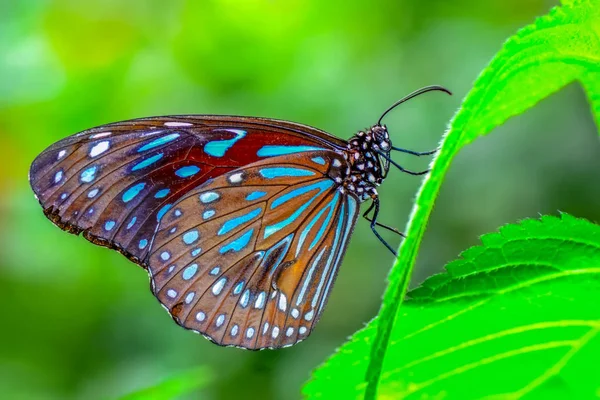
[381, 138]
[382, 145]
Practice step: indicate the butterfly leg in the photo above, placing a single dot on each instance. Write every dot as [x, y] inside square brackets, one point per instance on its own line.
[415, 153]
[375, 204]
[389, 228]
[395, 164]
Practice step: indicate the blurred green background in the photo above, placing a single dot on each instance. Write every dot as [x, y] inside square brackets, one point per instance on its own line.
[79, 322]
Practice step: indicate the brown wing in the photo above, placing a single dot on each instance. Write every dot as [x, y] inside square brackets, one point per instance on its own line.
[249, 258]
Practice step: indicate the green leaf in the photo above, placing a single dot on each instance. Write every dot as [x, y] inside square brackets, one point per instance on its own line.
[177, 385]
[543, 57]
[516, 316]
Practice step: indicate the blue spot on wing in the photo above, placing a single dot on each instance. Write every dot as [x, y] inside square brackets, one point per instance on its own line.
[280, 172]
[147, 162]
[322, 185]
[161, 194]
[331, 206]
[159, 142]
[163, 211]
[270, 151]
[255, 195]
[89, 174]
[132, 222]
[189, 272]
[190, 237]
[340, 250]
[239, 243]
[228, 226]
[218, 148]
[328, 265]
[208, 213]
[186, 172]
[238, 288]
[133, 191]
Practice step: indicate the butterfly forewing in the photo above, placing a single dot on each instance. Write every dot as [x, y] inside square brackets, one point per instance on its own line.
[248, 258]
[116, 182]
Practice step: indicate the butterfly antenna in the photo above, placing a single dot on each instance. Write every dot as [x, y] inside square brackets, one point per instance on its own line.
[413, 94]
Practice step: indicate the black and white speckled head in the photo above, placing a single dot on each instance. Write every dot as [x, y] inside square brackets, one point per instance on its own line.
[366, 154]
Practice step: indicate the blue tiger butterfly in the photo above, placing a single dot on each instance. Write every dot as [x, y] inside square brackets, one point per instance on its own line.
[240, 222]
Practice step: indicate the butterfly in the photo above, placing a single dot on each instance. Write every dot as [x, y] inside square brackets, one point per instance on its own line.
[241, 222]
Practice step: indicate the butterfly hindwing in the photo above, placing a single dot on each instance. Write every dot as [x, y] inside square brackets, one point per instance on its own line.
[114, 183]
[248, 258]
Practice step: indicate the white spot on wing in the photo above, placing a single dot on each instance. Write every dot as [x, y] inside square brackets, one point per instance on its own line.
[245, 298]
[309, 315]
[58, 176]
[99, 135]
[282, 302]
[209, 197]
[208, 213]
[236, 178]
[250, 333]
[99, 148]
[260, 300]
[218, 287]
[173, 123]
[189, 297]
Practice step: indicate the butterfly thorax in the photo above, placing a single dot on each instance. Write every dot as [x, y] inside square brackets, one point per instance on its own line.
[367, 169]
